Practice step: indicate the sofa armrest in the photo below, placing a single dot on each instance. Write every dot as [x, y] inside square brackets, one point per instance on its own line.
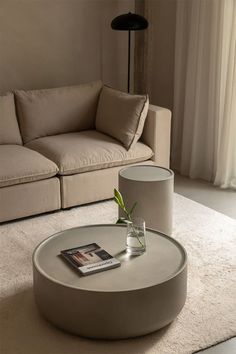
[156, 134]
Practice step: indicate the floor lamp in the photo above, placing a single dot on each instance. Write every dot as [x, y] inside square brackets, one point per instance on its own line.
[129, 22]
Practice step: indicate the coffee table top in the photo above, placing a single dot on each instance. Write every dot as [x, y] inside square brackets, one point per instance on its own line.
[163, 260]
[146, 173]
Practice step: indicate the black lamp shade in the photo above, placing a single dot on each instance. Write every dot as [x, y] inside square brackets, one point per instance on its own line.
[129, 22]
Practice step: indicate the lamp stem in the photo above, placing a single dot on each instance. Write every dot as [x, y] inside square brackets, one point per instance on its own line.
[129, 61]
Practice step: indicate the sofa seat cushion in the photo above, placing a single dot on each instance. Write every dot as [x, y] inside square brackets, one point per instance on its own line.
[88, 151]
[20, 165]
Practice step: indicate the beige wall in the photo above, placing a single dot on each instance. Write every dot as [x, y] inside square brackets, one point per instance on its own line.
[161, 51]
[49, 43]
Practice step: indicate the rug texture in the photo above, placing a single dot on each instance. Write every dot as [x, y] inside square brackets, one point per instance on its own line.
[208, 316]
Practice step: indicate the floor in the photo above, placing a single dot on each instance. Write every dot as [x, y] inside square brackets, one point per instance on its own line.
[223, 201]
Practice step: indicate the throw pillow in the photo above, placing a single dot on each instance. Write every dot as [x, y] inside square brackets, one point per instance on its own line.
[57, 110]
[9, 129]
[121, 115]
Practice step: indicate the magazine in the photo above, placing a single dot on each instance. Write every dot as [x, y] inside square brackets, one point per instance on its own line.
[89, 259]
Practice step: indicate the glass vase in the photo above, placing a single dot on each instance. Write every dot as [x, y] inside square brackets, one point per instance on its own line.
[135, 240]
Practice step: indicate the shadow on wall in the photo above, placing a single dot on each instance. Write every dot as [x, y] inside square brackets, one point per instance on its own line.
[23, 330]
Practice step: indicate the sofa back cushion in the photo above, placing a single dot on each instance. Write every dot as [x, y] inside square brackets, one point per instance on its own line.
[9, 129]
[58, 110]
[121, 115]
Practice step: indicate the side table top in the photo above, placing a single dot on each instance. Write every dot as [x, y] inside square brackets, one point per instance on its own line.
[146, 173]
[162, 261]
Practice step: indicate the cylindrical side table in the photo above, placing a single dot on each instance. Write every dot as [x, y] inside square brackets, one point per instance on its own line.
[152, 188]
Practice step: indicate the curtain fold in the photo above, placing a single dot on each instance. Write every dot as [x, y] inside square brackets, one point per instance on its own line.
[204, 114]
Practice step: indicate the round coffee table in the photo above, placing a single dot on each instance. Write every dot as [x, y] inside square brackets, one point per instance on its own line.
[152, 188]
[141, 296]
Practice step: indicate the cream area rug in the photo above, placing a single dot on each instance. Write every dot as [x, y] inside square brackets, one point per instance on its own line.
[208, 316]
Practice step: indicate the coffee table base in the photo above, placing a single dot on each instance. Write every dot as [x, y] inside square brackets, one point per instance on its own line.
[143, 295]
[110, 315]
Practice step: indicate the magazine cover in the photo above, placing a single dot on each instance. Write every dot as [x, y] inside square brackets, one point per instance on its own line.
[90, 259]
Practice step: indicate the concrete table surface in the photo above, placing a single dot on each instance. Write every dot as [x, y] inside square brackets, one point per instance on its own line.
[143, 295]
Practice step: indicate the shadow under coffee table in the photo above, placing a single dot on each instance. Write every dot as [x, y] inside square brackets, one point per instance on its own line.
[141, 296]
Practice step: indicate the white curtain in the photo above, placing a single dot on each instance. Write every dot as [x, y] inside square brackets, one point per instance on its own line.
[204, 114]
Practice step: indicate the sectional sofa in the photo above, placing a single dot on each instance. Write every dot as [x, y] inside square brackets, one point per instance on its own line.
[64, 147]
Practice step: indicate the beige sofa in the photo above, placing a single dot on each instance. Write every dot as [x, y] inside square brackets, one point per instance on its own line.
[52, 157]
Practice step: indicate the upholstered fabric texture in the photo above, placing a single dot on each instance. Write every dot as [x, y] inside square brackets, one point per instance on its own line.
[88, 151]
[30, 198]
[157, 134]
[121, 115]
[87, 187]
[9, 129]
[20, 165]
[58, 110]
